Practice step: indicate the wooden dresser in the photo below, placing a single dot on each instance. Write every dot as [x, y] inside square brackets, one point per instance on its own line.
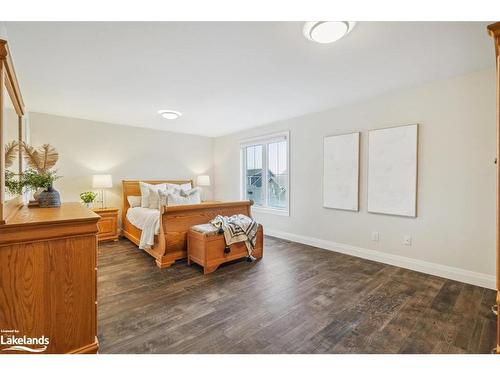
[48, 280]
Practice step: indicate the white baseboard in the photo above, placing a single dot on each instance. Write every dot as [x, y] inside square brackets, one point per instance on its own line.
[458, 274]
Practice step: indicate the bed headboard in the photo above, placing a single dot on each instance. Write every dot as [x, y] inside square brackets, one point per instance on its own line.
[131, 187]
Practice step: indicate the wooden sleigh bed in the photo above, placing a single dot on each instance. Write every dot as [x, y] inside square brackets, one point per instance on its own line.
[171, 242]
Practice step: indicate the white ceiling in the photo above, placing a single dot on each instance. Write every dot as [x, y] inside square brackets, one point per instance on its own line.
[228, 76]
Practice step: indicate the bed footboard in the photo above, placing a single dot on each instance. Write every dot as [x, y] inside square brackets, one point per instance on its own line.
[176, 221]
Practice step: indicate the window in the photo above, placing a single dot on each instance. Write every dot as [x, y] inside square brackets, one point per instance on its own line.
[265, 172]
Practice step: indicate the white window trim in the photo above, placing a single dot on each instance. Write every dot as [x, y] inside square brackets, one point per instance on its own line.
[265, 140]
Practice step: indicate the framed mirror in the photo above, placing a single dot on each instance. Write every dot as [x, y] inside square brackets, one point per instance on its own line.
[11, 138]
[11, 135]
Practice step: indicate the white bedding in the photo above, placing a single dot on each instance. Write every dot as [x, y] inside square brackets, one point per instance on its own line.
[148, 221]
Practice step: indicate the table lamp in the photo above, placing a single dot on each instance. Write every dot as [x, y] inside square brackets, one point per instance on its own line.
[102, 181]
[203, 180]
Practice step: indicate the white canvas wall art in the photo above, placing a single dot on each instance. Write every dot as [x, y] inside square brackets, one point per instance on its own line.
[392, 170]
[341, 171]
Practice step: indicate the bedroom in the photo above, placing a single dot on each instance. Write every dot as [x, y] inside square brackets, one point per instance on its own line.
[367, 163]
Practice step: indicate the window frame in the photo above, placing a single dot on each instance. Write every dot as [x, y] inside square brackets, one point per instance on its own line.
[265, 140]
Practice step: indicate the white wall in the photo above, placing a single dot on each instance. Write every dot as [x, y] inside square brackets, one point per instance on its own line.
[87, 147]
[454, 233]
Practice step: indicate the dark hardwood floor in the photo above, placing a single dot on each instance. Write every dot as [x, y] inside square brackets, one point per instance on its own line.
[297, 299]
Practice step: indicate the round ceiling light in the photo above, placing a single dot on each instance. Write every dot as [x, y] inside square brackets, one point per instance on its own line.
[327, 31]
[169, 114]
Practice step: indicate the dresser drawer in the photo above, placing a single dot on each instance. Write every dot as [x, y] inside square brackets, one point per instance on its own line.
[107, 226]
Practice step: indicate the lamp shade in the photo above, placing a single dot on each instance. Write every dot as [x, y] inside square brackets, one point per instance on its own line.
[102, 181]
[203, 180]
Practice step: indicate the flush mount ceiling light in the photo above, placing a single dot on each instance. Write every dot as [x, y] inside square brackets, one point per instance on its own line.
[327, 31]
[169, 114]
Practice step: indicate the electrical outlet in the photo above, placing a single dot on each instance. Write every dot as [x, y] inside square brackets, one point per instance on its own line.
[375, 236]
[407, 240]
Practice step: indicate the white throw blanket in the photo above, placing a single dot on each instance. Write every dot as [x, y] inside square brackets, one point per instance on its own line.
[238, 228]
[148, 221]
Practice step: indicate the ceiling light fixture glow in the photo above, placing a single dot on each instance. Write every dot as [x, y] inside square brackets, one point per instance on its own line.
[169, 114]
[327, 31]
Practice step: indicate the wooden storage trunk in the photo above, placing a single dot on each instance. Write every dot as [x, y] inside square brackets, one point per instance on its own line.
[206, 248]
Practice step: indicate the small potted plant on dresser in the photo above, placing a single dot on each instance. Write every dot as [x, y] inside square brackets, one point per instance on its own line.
[88, 198]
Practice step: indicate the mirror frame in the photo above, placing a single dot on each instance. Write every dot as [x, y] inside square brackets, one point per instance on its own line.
[8, 79]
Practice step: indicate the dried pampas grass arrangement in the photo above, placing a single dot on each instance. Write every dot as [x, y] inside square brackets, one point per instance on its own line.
[10, 153]
[41, 159]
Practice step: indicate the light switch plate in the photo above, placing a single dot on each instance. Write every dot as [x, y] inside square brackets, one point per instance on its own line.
[375, 236]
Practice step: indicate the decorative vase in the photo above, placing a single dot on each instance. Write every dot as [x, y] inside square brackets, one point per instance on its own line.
[37, 193]
[49, 198]
[89, 205]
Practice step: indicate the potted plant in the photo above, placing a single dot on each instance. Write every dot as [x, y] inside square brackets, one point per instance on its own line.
[39, 177]
[88, 198]
[42, 184]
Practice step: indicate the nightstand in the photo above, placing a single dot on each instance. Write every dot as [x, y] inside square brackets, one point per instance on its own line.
[108, 225]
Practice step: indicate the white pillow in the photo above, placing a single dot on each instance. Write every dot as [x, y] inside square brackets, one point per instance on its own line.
[191, 196]
[190, 192]
[179, 186]
[157, 199]
[163, 195]
[145, 192]
[154, 198]
[134, 200]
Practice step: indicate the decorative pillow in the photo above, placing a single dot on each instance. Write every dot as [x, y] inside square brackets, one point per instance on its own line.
[158, 198]
[163, 195]
[163, 198]
[154, 198]
[191, 196]
[181, 186]
[190, 192]
[176, 199]
[145, 192]
[134, 200]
